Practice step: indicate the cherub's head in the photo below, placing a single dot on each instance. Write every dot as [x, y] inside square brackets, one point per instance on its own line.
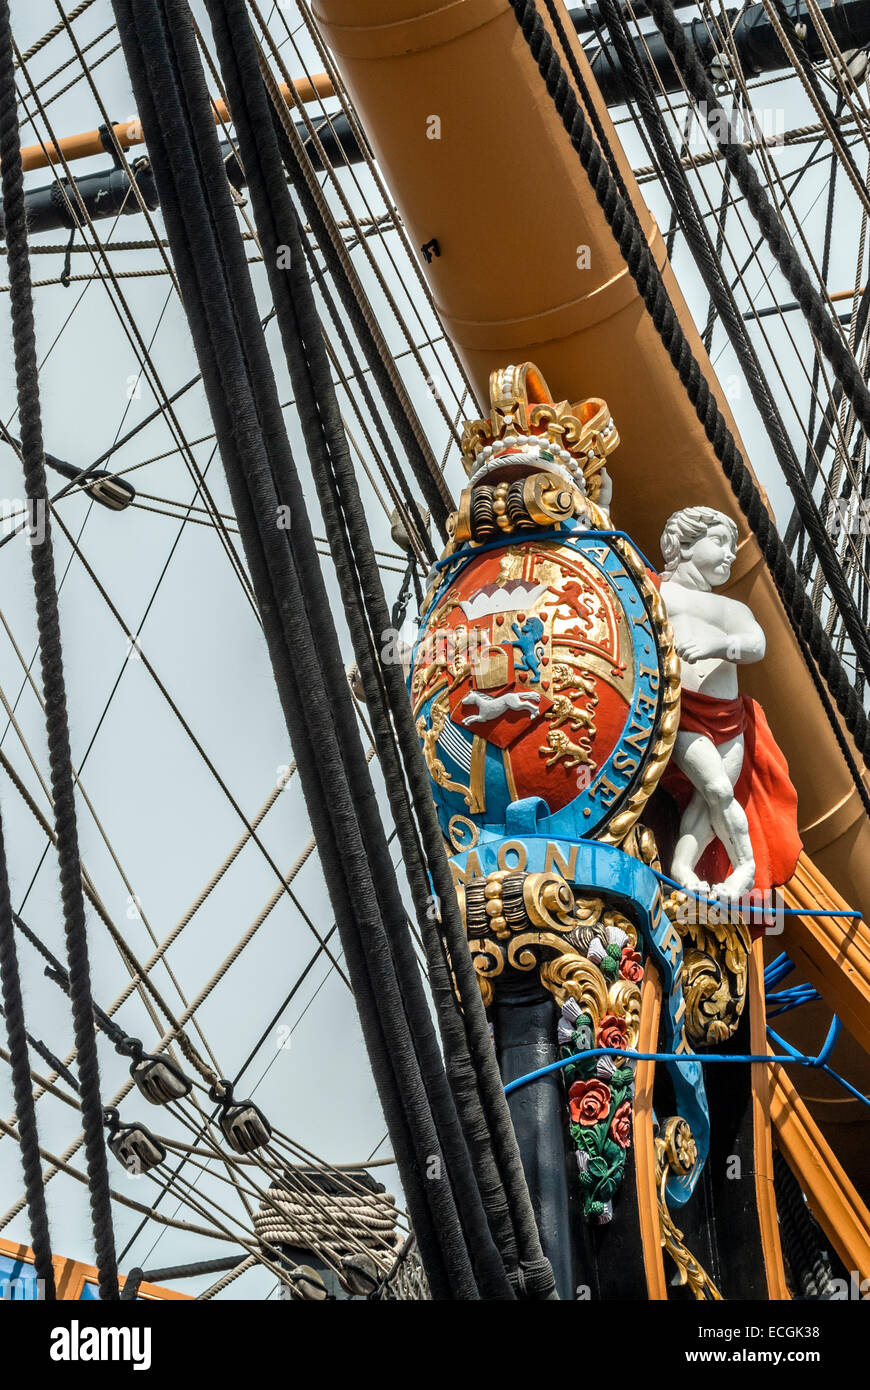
[699, 542]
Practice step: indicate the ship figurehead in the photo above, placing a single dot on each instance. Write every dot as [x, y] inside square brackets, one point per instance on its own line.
[545, 688]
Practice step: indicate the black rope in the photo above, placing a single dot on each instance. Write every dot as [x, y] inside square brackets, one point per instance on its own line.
[130, 1291]
[394, 714]
[824, 327]
[188, 1271]
[399, 611]
[794, 535]
[54, 966]
[590, 107]
[25, 1107]
[197, 248]
[709, 265]
[712, 312]
[54, 692]
[137, 1276]
[645, 273]
[801, 1235]
[67, 260]
[818, 91]
[347, 530]
[209, 255]
[355, 372]
[828, 428]
[44, 1051]
[73, 474]
[364, 336]
[368, 617]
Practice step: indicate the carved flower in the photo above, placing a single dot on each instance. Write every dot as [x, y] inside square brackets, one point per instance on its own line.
[620, 1125]
[589, 1102]
[612, 1032]
[630, 966]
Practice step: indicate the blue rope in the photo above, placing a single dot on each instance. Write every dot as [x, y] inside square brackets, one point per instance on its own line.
[777, 969]
[822, 1058]
[833, 1034]
[786, 911]
[792, 1056]
[783, 1000]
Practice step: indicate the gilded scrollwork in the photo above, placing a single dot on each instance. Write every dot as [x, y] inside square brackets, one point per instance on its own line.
[519, 402]
[569, 976]
[675, 1153]
[585, 954]
[429, 739]
[715, 967]
[488, 960]
[623, 1000]
[578, 945]
[640, 843]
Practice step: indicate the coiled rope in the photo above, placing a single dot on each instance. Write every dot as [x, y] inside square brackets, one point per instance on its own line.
[346, 1223]
[801, 1236]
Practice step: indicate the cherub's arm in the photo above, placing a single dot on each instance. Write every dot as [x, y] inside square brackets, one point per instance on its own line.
[741, 640]
[745, 642]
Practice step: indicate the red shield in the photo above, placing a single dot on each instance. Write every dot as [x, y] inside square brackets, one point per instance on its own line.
[492, 700]
[539, 664]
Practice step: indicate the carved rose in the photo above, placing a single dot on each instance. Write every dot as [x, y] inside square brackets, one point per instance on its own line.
[589, 1102]
[620, 1125]
[612, 1032]
[630, 966]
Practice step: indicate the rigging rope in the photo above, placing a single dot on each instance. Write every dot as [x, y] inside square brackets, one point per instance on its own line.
[644, 272]
[24, 339]
[801, 1235]
[363, 321]
[129, 1047]
[54, 31]
[710, 268]
[793, 46]
[476, 1083]
[824, 328]
[13, 1008]
[173, 101]
[237, 1269]
[346, 106]
[315, 397]
[794, 536]
[741, 98]
[407, 504]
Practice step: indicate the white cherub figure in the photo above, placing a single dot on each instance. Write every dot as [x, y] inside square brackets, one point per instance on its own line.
[713, 635]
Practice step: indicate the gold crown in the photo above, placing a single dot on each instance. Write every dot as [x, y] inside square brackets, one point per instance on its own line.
[526, 426]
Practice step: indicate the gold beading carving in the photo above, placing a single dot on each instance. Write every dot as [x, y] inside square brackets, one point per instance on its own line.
[675, 1153]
